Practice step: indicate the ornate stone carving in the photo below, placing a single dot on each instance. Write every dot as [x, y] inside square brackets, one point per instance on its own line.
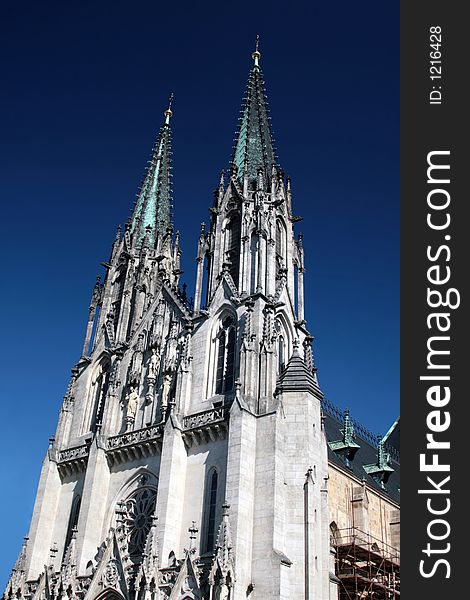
[134, 437]
[204, 418]
[154, 365]
[158, 320]
[135, 368]
[137, 516]
[166, 388]
[109, 327]
[111, 573]
[73, 453]
[172, 348]
[132, 402]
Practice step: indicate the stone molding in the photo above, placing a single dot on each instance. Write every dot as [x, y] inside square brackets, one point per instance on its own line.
[199, 428]
[73, 460]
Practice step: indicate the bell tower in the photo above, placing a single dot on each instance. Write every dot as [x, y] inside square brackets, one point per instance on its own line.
[251, 246]
[190, 458]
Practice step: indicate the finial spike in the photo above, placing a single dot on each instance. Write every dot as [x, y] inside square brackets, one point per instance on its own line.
[169, 113]
[256, 54]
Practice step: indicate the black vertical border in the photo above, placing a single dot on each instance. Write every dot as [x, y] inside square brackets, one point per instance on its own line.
[426, 128]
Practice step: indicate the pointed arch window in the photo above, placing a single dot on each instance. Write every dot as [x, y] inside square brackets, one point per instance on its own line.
[219, 377]
[232, 247]
[96, 396]
[211, 506]
[73, 520]
[281, 345]
[99, 390]
[335, 535]
[281, 353]
[280, 244]
[110, 594]
[225, 363]
[118, 285]
[254, 245]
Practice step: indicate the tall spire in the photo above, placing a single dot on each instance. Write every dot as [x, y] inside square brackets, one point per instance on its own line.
[254, 148]
[153, 205]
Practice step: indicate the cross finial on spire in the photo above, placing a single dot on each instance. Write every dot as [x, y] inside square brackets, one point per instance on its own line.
[168, 113]
[256, 54]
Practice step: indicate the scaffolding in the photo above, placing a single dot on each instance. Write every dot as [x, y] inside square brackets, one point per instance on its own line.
[366, 567]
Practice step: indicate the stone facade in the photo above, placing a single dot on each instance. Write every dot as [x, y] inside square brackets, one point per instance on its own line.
[191, 456]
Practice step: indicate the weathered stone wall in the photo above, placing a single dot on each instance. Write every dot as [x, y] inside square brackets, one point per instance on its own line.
[378, 515]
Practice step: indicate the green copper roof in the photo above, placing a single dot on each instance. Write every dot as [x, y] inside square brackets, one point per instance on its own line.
[254, 144]
[153, 206]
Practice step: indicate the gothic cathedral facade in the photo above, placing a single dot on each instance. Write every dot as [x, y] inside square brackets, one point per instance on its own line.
[191, 458]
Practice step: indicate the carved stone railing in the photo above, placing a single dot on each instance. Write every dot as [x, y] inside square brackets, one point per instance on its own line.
[209, 425]
[73, 460]
[73, 453]
[134, 444]
[204, 418]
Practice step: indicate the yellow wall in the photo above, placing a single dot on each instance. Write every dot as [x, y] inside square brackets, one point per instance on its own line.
[380, 508]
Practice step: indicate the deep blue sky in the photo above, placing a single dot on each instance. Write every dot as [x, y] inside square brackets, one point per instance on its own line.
[84, 87]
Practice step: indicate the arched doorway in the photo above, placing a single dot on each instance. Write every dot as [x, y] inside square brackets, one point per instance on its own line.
[109, 595]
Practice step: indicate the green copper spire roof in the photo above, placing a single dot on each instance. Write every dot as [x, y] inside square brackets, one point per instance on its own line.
[254, 146]
[153, 205]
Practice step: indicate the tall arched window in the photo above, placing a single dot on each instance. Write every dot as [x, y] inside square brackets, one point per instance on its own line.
[118, 291]
[219, 377]
[130, 322]
[232, 246]
[254, 263]
[225, 364]
[96, 396]
[280, 244]
[281, 345]
[211, 506]
[73, 520]
[281, 354]
[335, 536]
[99, 389]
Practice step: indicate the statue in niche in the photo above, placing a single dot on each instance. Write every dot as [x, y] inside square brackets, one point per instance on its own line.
[154, 365]
[222, 592]
[132, 403]
[158, 320]
[172, 348]
[135, 367]
[166, 388]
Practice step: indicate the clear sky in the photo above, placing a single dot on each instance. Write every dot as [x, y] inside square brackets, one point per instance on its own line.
[84, 89]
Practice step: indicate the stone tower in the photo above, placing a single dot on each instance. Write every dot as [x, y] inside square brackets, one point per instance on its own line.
[190, 459]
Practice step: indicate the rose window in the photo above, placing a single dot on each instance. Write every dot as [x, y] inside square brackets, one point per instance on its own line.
[140, 509]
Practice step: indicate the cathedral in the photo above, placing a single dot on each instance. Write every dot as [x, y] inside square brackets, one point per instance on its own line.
[195, 455]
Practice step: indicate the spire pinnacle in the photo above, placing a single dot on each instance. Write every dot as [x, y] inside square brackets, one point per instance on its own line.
[169, 113]
[153, 205]
[256, 54]
[254, 146]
